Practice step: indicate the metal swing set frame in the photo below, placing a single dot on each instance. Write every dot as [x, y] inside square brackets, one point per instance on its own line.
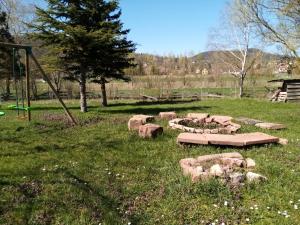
[29, 54]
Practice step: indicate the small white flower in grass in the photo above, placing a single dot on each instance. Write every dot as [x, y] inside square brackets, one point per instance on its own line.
[117, 174]
[44, 169]
[215, 205]
[295, 206]
[222, 223]
[216, 220]
[213, 224]
[251, 208]
[109, 173]
[279, 212]
[247, 219]
[287, 216]
[232, 207]
[24, 177]
[129, 223]
[291, 202]
[225, 203]
[268, 207]
[106, 169]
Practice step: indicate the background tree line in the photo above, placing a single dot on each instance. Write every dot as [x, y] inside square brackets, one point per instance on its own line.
[84, 41]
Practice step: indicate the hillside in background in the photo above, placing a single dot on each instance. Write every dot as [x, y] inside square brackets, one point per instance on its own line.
[205, 63]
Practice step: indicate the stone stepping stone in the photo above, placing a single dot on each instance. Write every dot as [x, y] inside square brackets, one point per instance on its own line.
[271, 126]
[238, 140]
[248, 121]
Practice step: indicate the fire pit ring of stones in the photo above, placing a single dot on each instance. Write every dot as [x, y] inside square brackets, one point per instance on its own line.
[204, 124]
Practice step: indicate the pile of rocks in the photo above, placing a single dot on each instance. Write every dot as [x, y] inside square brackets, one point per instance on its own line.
[205, 124]
[229, 167]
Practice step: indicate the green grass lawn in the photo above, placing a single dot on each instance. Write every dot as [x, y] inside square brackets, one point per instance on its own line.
[99, 173]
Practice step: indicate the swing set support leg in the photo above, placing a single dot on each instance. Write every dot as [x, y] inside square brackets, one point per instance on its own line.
[46, 78]
[27, 83]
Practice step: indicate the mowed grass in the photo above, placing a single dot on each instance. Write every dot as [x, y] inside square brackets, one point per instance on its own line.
[100, 173]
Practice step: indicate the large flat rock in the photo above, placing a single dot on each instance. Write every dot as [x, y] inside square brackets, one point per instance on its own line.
[238, 140]
[248, 121]
[270, 126]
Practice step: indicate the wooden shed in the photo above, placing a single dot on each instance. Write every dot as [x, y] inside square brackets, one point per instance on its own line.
[289, 90]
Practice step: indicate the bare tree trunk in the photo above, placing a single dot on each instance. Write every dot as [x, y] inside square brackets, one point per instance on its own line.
[241, 87]
[82, 88]
[103, 92]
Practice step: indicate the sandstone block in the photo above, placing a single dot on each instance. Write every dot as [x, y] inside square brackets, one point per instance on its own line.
[283, 141]
[135, 123]
[145, 118]
[150, 130]
[168, 115]
[270, 126]
[198, 116]
[221, 119]
[232, 162]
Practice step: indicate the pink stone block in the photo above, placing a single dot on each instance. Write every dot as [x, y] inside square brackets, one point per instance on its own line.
[168, 115]
[237, 140]
[150, 130]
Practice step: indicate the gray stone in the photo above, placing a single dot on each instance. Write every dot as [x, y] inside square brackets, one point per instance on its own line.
[236, 178]
[216, 170]
[255, 177]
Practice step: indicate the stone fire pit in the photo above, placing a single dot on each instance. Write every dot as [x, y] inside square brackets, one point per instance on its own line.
[229, 167]
[202, 123]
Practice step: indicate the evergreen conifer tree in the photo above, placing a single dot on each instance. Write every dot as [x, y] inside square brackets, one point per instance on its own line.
[90, 38]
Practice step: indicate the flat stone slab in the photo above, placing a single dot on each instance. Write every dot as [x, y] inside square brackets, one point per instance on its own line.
[271, 126]
[238, 140]
[248, 121]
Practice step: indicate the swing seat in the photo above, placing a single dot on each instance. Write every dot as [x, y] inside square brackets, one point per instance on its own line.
[2, 113]
[18, 108]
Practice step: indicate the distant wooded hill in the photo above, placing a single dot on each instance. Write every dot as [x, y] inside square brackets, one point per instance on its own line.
[204, 63]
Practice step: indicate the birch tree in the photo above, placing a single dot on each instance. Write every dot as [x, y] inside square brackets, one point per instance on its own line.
[234, 43]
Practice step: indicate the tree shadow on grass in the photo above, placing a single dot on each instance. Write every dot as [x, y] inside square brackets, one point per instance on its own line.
[155, 111]
[144, 103]
[102, 207]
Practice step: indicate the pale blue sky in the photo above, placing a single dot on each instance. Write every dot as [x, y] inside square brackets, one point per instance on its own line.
[168, 26]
